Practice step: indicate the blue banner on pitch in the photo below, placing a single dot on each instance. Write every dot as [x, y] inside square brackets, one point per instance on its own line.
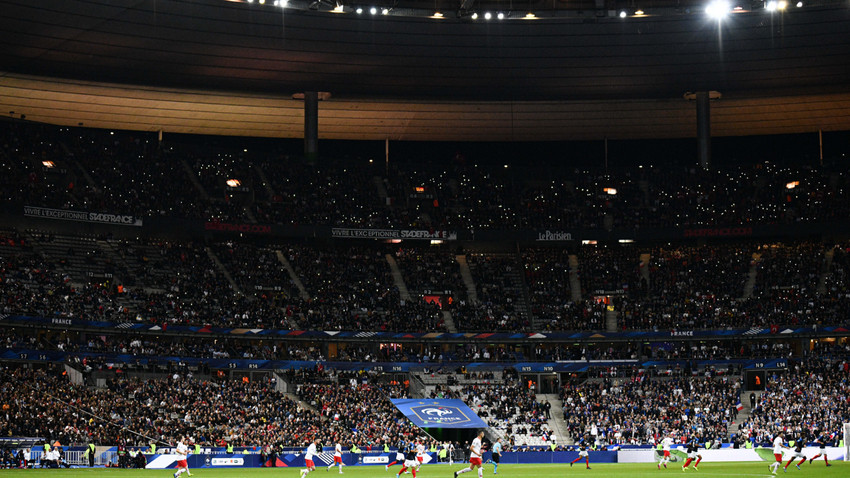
[448, 413]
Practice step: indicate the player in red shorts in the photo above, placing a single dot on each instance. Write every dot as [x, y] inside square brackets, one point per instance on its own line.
[778, 446]
[183, 451]
[308, 458]
[474, 457]
[337, 459]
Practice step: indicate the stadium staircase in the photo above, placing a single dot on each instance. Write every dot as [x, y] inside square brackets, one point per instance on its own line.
[611, 320]
[746, 411]
[302, 292]
[644, 271]
[468, 281]
[449, 322]
[575, 283]
[78, 257]
[398, 280]
[751, 276]
[222, 269]
[522, 306]
[263, 179]
[556, 420]
[194, 179]
[378, 181]
[827, 265]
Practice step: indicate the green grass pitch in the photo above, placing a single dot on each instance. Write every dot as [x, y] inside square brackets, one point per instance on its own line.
[608, 470]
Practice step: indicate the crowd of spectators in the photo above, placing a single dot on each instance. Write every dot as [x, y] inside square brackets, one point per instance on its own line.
[810, 399]
[641, 410]
[168, 283]
[214, 412]
[134, 173]
[353, 411]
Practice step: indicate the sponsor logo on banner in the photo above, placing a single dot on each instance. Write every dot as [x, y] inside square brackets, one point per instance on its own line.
[247, 228]
[82, 216]
[227, 462]
[440, 414]
[348, 233]
[554, 236]
[375, 459]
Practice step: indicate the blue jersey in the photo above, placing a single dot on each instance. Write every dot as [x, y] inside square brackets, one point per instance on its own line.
[497, 447]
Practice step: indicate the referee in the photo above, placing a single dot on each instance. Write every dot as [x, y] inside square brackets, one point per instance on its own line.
[496, 456]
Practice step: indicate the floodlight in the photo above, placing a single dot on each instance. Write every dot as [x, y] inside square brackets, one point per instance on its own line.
[488, 15]
[623, 14]
[373, 10]
[717, 9]
[500, 16]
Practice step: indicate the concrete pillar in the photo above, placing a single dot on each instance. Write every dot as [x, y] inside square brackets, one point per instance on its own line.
[703, 129]
[311, 124]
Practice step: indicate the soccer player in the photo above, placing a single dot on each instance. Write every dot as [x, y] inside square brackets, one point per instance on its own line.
[399, 456]
[308, 458]
[420, 453]
[798, 453]
[410, 462]
[474, 457]
[183, 451]
[337, 458]
[693, 454]
[665, 449]
[777, 453]
[496, 455]
[821, 440]
[582, 453]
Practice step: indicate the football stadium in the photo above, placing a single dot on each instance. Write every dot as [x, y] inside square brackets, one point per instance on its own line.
[256, 238]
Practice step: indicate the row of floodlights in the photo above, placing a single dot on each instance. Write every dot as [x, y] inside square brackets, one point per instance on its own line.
[720, 8]
[717, 9]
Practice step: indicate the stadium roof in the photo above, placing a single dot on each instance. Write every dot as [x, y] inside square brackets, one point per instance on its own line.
[219, 67]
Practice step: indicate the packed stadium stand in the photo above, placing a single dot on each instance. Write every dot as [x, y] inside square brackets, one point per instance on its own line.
[164, 324]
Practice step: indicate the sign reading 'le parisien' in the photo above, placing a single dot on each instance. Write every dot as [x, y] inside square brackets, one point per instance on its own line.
[439, 413]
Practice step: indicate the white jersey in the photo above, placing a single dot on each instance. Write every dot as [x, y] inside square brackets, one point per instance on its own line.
[182, 449]
[777, 446]
[420, 450]
[665, 444]
[311, 452]
[476, 448]
[338, 450]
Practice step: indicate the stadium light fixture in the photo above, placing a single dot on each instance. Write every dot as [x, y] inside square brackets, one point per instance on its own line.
[385, 11]
[338, 8]
[799, 4]
[792, 184]
[530, 16]
[639, 13]
[623, 14]
[500, 16]
[373, 10]
[359, 10]
[610, 191]
[474, 15]
[718, 9]
[437, 15]
[262, 2]
[233, 183]
[48, 164]
[488, 15]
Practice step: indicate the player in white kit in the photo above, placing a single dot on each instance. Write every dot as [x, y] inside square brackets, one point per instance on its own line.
[665, 450]
[337, 459]
[475, 453]
[777, 453]
[308, 458]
